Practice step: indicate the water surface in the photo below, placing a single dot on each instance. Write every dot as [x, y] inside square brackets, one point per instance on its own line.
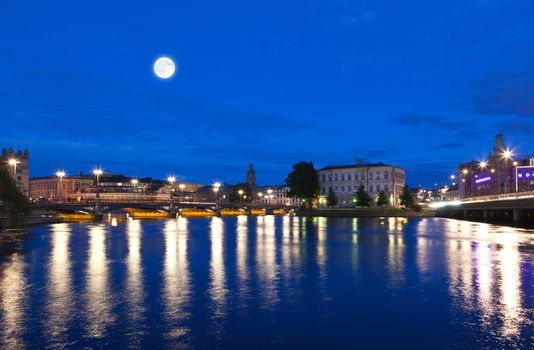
[266, 282]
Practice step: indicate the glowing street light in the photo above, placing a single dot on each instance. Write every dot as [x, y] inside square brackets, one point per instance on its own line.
[97, 172]
[241, 195]
[269, 196]
[181, 186]
[60, 174]
[216, 187]
[135, 182]
[507, 154]
[13, 162]
[465, 171]
[482, 164]
[171, 180]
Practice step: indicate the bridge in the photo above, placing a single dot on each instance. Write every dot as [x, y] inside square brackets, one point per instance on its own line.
[512, 208]
[167, 206]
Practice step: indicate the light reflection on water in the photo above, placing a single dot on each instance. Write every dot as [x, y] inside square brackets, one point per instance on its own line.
[60, 294]
[177, 282]
[13, 288]
[98, 299]
[270, 281]
[134, 284]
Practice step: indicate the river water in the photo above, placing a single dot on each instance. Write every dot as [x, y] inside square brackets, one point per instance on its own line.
[270, 282]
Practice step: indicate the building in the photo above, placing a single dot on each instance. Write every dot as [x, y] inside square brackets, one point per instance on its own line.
[502, 173]
[277, 195]
[19, 164]
[344, 180]
[251, 175]
[68, 188]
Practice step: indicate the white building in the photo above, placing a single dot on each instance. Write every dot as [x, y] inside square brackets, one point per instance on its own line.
[278, 196]
[345, 180]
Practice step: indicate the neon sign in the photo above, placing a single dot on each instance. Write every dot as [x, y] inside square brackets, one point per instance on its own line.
[483, 179]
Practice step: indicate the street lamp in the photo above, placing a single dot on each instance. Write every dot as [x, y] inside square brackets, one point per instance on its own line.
[269, 196]
[507, 155]
[182, 186]
[482, 164]
[241, 196]
[13, 162]
[216, 187]
[516, 183]
[260, 195]
[97, 172]
[135, 182]
[60, 174]
[171, 180]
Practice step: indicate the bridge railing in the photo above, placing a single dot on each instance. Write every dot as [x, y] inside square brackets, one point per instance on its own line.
[504, 196]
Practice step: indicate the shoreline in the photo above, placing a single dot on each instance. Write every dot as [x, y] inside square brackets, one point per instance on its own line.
[366, 213]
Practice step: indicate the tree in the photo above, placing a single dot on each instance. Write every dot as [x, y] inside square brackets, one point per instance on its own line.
[12, 201]
[382, 199]
[303, 182]
[331, 199]
[361, 197]
[406, 197]
[235, 197]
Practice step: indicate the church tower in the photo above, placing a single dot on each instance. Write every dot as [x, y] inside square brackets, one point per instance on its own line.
[251, 175]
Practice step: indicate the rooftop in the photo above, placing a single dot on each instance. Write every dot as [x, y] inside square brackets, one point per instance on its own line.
[350, 166]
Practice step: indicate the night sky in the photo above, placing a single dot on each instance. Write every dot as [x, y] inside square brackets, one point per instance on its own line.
[410, 83]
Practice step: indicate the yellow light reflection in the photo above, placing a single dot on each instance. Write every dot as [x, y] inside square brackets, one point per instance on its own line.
[266, 261]
[510, 287]
[97, 299]
[134, 280]
[13, 287]
[60, 296]
[218, 290]
[177, 280]
[242, 255]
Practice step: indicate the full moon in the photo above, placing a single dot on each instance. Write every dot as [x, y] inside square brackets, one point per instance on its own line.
[164, 67]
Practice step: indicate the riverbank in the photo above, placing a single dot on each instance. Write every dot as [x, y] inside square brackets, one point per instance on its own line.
[38, 217]
[366, 212]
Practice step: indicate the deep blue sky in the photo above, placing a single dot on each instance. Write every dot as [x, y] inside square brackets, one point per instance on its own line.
[412, 83]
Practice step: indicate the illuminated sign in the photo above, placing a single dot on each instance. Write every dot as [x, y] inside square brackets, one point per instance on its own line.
[483, 179]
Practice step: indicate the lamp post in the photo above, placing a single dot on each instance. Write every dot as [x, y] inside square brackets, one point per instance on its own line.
[507, 156]
[516, 182]
[182, 186]
[60, 174]
[13, 163]
[260, 195]
[135, 182]
[216, 187]
[269, 192]
[171, 180]
[97, 172]
[240, 196]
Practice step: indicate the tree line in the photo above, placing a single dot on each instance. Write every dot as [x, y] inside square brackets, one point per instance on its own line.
[12, 202]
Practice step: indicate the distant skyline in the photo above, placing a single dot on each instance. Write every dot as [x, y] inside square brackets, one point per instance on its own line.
[411, 84]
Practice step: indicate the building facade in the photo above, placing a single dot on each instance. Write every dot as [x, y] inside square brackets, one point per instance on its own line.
[18, 163]
[277, 195]
[344, 180]
[68, 188]
[503, 172]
